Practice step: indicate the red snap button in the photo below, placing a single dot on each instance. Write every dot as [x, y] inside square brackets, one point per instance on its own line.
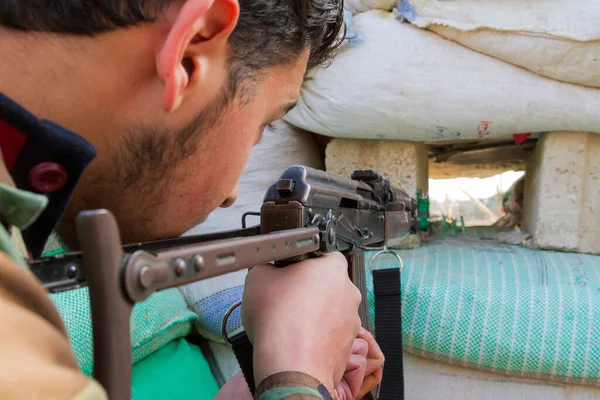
[48, 177]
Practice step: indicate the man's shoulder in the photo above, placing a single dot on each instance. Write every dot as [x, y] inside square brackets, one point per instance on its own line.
[18, 210]
[37, 354]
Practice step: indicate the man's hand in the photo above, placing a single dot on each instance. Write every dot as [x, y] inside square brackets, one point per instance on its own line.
[364, 369]
[363, 373]
[302, 318]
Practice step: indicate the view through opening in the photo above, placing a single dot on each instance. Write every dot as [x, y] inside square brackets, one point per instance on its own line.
[478, 201]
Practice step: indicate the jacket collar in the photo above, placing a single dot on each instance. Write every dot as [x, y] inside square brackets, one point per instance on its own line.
[42, 158]
[5, 177]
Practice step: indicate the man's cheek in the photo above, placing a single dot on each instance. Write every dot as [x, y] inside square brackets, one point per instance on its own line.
[200, 198]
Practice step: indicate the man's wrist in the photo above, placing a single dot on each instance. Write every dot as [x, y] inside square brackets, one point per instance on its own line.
[299, 382]
[272, 360]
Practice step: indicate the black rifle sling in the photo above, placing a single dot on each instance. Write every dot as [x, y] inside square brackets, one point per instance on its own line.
[388, 331]
[244, 353]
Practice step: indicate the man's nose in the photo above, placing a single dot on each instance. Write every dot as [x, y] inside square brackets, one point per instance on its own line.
[230, 199]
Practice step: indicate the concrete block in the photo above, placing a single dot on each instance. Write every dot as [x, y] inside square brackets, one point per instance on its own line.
[484, 170]
[404, 163]
[562, 193]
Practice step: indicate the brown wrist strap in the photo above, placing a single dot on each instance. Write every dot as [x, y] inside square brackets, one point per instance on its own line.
[282, 379]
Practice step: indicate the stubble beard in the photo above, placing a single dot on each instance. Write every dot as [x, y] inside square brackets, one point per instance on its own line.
[133, 182]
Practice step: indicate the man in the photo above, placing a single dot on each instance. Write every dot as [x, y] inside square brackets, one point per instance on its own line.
[149, 108]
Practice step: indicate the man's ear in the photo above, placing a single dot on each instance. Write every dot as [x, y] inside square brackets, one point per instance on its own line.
[200, 27]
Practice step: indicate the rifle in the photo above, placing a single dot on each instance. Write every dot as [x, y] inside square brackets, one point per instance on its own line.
[306, 213]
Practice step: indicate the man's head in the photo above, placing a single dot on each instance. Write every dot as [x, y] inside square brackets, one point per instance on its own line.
[173, 94]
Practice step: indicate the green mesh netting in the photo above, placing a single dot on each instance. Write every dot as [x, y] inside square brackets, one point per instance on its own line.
[164, 364]
[54, 245]
[154, 322]
[163, 317]
[503, 308]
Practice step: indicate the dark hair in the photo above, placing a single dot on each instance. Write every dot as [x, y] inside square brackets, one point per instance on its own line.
[268, 33]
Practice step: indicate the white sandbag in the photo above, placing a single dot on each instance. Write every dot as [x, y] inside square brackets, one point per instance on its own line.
[554, 38]
[223, 362]
[358, 6]
[278, 149]
[566, 19]
[397, 81]
[564, 60]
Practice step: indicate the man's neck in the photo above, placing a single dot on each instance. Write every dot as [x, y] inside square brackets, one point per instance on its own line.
[36, 72]
[73, 81]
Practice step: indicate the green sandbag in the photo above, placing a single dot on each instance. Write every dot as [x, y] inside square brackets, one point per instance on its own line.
[470, 301]
[176, 371]
[161, 318]
[164, 364]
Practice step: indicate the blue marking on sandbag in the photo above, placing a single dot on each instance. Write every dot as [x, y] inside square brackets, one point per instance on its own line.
[211, 309]
[406, 11]
[351, 34]
[441, 132]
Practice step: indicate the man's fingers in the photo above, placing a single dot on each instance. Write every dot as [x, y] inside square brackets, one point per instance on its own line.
[360, 347]
[363, 370]
[370, 382]
[355, 374]
[235, 388]
[374, 361]
[375, 357]
[374, 349]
